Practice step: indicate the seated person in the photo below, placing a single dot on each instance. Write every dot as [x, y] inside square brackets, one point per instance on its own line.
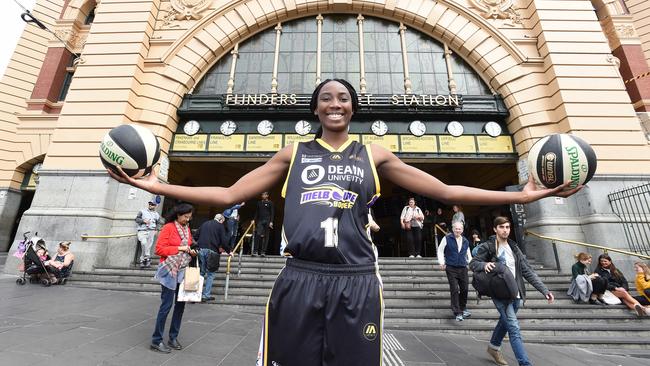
[598, 284]
[617, 283]
[61, 265]
[642, 283]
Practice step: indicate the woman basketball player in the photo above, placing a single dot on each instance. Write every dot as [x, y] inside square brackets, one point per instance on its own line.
[326, 307]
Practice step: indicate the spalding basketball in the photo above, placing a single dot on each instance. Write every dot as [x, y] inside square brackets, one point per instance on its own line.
[558, 158]
[132, 147]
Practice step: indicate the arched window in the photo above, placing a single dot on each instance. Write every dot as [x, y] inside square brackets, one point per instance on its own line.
[383, 55]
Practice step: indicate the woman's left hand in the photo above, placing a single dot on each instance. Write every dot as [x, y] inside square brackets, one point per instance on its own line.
[533, 192]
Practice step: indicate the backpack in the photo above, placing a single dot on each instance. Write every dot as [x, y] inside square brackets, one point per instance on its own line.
[212, 264]
[497, 284]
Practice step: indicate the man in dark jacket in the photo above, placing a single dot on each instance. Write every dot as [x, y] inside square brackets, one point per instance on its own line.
[211, 237]
[263, 224]
[499, 248]
[453, 256]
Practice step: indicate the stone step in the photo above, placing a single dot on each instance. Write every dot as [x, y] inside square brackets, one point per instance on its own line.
[257, 280]
[386, 275]
[528, 330]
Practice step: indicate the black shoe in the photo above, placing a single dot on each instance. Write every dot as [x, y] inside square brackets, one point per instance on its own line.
[602, 302]
[253, 254]
[594, 302]
[263, 255]
[173, 343]
[160, 347]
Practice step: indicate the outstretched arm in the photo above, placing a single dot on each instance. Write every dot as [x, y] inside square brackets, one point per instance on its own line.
[250, 185]
[390, 167]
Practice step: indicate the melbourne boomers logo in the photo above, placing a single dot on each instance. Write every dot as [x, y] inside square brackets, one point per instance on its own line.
[330, 195]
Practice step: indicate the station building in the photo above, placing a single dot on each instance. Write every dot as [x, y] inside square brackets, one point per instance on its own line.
[458, 88]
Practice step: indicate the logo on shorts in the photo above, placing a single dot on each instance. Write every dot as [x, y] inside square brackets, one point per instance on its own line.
[312, 174]
[370, 331]
[273, 363]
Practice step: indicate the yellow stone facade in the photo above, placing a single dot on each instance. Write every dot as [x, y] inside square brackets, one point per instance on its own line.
[549, 59]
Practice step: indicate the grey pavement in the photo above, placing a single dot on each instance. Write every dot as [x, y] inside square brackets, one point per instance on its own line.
[63, 325]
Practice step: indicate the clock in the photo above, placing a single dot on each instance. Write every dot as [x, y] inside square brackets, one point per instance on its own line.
[265, 127]
[455, 128]
[228, 128]
[303, 127]
[191, 127]
[492, 128]
[379, 128]
[417, 128]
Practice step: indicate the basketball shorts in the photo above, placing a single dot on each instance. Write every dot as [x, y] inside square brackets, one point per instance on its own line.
[323, 315]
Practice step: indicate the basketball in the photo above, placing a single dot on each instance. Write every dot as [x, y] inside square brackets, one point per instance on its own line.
[134, 148]
[558, 158]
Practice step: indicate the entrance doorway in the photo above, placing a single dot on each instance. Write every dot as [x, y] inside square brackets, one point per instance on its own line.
[387, 209]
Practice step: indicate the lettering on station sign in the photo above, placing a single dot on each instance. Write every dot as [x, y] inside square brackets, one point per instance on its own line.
[396, 100]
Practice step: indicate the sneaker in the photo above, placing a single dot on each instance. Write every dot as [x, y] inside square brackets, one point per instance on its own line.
[497, 356]
[640, 311]
[466, 314]
[418, 256]
[411, 256]
[459, 318]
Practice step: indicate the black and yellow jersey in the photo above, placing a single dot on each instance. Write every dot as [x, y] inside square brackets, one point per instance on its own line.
[327, 194]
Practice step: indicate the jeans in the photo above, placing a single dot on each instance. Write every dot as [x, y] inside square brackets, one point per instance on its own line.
[208, 276]
[232, 226]
[168, 297]
[508, 323]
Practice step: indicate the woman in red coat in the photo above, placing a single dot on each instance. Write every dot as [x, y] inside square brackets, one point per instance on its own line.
[173, 247]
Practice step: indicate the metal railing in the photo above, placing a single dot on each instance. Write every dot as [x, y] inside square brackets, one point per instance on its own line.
[240, 247]
[632, 206]
[574, 242]
[86, 236]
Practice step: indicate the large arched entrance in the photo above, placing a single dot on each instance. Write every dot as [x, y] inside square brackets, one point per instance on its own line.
[417, 98]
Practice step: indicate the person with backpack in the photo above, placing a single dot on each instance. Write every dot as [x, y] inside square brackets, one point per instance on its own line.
[500, 251]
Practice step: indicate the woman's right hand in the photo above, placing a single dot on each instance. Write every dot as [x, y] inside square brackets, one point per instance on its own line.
[146, 183]
[183, 248]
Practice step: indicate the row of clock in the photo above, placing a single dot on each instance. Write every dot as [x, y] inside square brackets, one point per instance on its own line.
[379, 128]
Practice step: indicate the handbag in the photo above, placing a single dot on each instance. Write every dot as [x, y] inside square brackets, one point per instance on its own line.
[190, 296]
[192, 276]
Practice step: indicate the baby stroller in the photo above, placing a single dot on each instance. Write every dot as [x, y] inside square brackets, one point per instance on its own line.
[32, 264]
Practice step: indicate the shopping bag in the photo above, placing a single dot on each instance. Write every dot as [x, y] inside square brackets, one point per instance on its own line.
[190, 296]
[192, 275]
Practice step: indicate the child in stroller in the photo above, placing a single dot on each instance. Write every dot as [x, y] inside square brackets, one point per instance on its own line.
[39, 266]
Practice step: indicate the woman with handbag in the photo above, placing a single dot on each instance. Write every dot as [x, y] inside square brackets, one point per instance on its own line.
[173, 247]
[411, 221]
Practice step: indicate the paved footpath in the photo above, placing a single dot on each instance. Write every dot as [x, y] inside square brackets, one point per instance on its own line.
[68, 326]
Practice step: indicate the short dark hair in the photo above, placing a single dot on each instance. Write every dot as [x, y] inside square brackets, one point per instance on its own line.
[500, 220]
[180, 209]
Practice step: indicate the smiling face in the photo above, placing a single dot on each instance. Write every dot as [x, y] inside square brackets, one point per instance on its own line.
[334, 108]
[605, 263]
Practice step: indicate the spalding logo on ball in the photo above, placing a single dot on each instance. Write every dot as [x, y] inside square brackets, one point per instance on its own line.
[558, 158]
[132, 147]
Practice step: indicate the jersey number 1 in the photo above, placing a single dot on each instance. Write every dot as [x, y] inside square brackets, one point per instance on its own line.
[331, 227]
